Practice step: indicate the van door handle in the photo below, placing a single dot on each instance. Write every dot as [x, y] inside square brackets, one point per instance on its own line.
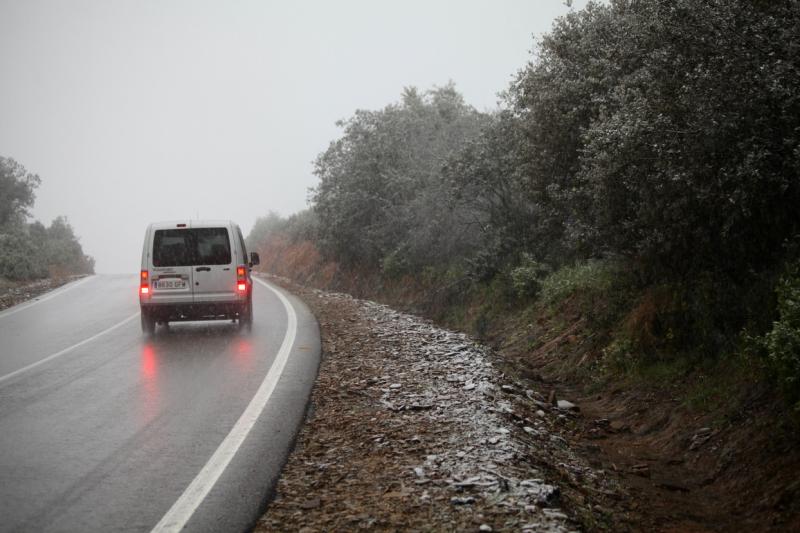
[203, 269]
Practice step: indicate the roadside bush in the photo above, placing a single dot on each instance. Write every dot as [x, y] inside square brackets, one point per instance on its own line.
[264, 228]
[595, 276]
[619, 355]
[20, 260]
[527, 277]
[783, 342]
[61, 248]
[395, 264]
[701, 318]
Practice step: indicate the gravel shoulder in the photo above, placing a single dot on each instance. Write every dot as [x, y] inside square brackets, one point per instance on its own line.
[413, 427]
[16, 292]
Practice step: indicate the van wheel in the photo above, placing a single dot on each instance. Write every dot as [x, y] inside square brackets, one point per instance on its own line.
[246, 315]
[148, 323]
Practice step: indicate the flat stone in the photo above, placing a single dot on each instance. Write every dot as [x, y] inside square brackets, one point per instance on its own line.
[565, 405]
[311, 504]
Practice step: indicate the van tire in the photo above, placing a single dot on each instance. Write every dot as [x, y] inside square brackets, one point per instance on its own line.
[246, 315]
[148, 323]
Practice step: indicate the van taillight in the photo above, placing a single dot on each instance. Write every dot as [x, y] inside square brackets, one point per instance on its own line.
[144, 284]
[241, 278]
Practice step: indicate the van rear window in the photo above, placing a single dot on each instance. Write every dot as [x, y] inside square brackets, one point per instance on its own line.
[172, 247]
[212, 246]
[189, 247]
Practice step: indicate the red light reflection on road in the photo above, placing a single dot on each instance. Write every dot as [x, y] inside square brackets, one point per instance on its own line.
[148, 372]
[149, 363]
[243, 354]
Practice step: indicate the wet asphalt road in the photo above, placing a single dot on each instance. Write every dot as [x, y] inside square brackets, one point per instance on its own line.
[102, 428]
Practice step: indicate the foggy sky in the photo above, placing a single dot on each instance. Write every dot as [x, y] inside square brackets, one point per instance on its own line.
[138, 111]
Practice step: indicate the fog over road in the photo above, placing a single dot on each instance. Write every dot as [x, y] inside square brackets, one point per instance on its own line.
[102, 428]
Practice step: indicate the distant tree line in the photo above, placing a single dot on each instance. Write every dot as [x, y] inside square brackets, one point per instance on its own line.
[30, 250]
[664, 134]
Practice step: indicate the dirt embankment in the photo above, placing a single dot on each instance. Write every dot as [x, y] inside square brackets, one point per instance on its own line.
[696, 450]
[413, 427]
[635, 457]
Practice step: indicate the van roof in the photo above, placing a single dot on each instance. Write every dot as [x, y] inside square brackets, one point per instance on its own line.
[172, 224]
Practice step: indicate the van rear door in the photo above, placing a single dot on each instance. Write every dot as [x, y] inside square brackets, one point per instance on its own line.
[171, 260]
[214, 272]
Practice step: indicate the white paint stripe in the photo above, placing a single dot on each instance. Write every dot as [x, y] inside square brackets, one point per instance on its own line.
[183, 509]
[66, 350]
[57, 292]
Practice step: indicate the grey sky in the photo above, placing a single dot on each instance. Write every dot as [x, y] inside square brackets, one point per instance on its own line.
[135, 111]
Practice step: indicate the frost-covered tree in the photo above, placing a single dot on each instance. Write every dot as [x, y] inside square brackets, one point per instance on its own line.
[17, 195]
[380, 200]
[31, 250]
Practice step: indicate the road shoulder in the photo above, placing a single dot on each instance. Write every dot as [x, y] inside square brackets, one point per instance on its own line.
[16, 292]
[413, 427]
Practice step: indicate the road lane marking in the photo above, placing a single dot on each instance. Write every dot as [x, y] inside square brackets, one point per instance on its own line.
[57, 292]
[186, 505]
[67, 350]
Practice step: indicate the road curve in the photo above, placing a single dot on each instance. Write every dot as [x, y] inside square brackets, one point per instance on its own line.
[104, 429]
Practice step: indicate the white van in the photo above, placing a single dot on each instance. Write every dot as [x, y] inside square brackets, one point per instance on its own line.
[195, 270]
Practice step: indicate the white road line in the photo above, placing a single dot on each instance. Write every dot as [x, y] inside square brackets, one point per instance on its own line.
[66, 350]
[57, 292]
[183, 509]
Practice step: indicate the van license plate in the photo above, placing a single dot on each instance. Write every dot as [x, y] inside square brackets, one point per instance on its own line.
[171, 284]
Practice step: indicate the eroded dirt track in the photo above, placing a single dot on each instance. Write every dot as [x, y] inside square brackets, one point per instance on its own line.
[412, 427]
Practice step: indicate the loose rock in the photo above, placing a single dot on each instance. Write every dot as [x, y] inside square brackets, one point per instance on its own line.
[431, 430]
[565, 405]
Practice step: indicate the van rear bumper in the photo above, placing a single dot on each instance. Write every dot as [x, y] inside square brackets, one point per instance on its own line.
[163, 312]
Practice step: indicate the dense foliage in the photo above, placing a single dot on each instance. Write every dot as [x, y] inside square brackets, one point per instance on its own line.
[300, 226]
[380, 200]
[31, 250]
[783, 341]
[665, 131]
[17, 187]
[659, 134]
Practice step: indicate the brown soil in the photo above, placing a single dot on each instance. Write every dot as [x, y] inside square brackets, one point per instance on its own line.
[731, 465]
[690, 472]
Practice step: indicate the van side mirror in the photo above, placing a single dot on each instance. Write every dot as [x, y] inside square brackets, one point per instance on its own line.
[254, 259]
